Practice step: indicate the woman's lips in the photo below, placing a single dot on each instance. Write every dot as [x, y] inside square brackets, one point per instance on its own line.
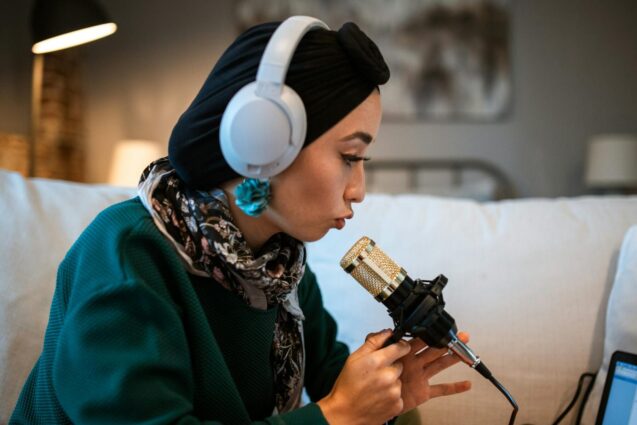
[340, 222]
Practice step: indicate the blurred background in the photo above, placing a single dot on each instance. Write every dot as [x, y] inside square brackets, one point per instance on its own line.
[488, 100]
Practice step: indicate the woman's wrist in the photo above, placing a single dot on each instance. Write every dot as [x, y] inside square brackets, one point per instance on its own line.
[335, 412]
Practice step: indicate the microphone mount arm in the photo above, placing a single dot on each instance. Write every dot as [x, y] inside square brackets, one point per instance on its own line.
[422, 313]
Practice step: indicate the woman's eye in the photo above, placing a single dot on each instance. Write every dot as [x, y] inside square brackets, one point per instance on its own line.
[350, 159]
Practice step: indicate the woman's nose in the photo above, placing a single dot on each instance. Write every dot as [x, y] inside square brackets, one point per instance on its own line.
[355, 190]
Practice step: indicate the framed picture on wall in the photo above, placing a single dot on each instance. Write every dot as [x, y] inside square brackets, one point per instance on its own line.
[449, 60]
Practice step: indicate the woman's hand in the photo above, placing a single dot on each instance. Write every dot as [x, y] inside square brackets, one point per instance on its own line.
[368, 389]
[377, 384]
[419, 368]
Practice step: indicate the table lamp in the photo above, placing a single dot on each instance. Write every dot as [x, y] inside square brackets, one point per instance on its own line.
[130, 158]
[612, 163]
[57, 25]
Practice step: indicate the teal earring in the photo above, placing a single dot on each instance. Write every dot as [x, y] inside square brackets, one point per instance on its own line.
[253, 196]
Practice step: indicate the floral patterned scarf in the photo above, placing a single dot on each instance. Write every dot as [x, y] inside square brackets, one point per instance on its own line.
[200, 226]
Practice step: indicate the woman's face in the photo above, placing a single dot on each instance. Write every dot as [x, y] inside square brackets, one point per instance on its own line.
[316, 192]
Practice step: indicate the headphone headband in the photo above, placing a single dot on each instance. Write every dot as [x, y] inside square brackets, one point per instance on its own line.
[264, 125]
[278, 53]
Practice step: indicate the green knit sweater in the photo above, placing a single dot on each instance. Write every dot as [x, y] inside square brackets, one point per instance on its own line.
[133, 338]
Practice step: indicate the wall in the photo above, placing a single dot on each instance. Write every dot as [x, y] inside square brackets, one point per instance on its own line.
[15, 67]
[574, 67]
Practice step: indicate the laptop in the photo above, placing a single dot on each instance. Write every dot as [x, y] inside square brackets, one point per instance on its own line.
[619, 399]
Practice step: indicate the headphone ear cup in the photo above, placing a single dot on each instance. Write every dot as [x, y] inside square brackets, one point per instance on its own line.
[254, 133]
[260, 136]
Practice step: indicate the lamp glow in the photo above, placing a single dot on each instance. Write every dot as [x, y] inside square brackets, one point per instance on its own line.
[130, 157]
[74, 38]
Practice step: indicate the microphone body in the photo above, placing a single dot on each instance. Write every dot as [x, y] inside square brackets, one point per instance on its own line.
[416, 307]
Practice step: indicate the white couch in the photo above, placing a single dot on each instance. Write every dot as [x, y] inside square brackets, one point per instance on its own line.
[528, 279]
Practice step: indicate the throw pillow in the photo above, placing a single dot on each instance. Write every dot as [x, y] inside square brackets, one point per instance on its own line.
[621, 319]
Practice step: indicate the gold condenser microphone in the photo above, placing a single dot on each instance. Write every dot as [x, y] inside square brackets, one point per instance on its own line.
[416, 306]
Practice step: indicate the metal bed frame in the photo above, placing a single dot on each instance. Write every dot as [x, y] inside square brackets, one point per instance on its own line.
[504, 186]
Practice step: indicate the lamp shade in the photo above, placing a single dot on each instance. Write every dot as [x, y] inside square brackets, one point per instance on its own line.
[59, 24]
[131, 158]
[612, 161]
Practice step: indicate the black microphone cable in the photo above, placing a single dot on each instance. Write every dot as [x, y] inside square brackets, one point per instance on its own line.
[484, 371]
[568, 408]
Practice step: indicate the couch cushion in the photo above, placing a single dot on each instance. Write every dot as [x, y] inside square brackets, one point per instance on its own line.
[621, 319]
[39, 219]
[528, 279]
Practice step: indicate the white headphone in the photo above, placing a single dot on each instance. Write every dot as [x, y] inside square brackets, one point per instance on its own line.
[264, 125]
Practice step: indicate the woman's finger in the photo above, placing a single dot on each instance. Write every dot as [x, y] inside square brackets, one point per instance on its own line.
[398, 366]
[434, 353]
[428, 355]
[463, 336]
[373, 342]
[417, 345]
[440, 364]
[393, 352]
[449, 388]
[431, 354]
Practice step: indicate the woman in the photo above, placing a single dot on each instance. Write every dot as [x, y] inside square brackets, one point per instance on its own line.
[192, 302]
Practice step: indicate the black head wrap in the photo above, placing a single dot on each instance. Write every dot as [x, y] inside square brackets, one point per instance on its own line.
[332, 71]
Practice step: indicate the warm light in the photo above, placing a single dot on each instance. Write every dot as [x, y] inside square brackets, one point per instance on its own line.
[131, 158]
[74, 38]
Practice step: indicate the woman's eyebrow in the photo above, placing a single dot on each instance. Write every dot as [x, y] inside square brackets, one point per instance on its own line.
[365, 137]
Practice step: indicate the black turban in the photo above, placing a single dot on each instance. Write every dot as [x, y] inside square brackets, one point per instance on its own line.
[332, 72]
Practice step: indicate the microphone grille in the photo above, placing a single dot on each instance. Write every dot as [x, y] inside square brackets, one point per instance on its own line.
[370, 266]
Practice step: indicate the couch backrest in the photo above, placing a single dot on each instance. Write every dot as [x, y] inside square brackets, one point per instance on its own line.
[39, 219]
[528, 279]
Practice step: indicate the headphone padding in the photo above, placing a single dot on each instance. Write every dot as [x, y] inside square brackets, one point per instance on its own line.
[261, 136]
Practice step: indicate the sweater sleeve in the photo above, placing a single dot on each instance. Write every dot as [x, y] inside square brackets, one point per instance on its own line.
[122, 352]
[120, 359]
[325, 355]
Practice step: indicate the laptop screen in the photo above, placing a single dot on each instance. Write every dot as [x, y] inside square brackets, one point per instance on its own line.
[621, 406]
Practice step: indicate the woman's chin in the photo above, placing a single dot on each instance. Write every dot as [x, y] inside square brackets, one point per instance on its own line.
[310, 235]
